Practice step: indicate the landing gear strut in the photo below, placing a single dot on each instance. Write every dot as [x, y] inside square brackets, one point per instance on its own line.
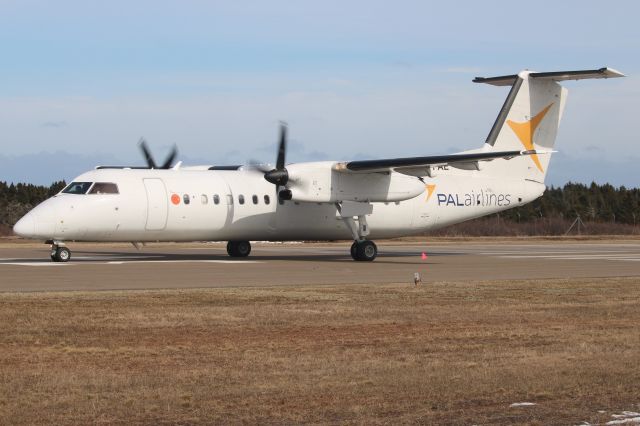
[354, 215]
[60, 253]
[238, 248]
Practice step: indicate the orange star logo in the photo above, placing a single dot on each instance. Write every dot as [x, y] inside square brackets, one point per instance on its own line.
[525, 132]
[430, 189]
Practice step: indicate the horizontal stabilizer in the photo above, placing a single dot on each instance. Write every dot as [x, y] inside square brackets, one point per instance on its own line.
[508, 80]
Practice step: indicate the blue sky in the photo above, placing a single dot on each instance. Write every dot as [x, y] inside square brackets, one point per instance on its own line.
[83, 81]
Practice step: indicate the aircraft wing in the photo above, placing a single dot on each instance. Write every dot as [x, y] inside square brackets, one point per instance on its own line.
[421, 166]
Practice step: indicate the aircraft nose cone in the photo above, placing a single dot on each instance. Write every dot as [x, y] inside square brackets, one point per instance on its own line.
[25, 227]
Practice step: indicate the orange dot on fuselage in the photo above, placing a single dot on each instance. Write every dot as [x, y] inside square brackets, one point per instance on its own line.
[175, 199]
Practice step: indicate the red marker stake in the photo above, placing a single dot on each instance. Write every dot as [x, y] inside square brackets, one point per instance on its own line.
[424, 256]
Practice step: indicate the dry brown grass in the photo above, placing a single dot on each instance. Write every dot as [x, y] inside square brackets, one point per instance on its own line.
[445, 353]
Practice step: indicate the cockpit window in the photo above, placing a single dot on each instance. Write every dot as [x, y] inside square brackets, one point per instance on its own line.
[77, 188]
[104, 188]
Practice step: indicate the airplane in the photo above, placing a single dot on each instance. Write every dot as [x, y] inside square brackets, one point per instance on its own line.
[323, 200]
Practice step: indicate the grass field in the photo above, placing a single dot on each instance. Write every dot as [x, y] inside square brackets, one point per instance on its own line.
[443, 353]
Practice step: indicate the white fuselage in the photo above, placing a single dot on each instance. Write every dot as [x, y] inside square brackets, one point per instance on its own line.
[359, 200]
[150, 206]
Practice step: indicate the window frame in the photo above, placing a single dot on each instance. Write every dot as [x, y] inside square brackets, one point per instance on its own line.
[96, 184]
[88, 188]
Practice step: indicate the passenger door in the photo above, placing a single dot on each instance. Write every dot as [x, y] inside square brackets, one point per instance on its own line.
[157, 204]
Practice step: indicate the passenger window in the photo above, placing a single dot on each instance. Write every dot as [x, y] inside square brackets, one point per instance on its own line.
[186, 198]
[104, 188]
[266, 199]
[216, 199]
[77, 188]
[241, 199]
[204, 199]
[255, 199]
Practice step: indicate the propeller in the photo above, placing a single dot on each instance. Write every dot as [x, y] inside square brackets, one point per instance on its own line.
[150, 162]
[279, 176]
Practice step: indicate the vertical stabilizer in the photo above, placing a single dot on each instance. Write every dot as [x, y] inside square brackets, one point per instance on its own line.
[530, 117]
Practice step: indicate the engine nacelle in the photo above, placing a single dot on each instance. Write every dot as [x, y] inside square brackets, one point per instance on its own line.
[319, 182]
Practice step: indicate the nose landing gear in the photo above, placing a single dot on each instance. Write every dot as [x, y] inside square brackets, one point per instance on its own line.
[60, 253]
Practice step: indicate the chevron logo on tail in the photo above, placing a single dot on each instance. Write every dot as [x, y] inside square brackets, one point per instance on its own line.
[525, 131]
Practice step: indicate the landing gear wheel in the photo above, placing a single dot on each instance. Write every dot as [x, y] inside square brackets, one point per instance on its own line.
[238, 248]
[61, 254]
[364, 250]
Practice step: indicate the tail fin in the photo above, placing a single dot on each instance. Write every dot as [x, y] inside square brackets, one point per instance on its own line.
[530, 116]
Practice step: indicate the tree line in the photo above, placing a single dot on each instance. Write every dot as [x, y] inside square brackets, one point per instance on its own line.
[17, 199]
[593, 203]
[571, 209]
[596, 205]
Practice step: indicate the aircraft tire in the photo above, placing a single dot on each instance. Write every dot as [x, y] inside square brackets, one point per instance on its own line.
[62, 254]
[353, 250]
[366, 251]
[238, 248]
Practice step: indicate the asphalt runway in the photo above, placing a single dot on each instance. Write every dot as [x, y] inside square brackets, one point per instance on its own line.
[27, 267]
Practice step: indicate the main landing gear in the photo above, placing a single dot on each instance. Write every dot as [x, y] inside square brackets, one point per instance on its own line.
[364, 250]
[238, 248]
[59, 252]
[354, 215]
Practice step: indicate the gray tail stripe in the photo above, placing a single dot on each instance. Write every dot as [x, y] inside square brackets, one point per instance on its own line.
[497, 125]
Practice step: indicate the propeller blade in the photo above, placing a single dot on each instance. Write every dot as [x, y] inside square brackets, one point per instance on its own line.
[147, 154]
[170, 158]
[282, 148]
[280, 176]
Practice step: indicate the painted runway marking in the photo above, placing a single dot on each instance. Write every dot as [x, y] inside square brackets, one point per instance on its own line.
[121, 262]
[124, 262]
[549, 252]
[106, 256]
[620, 257]
[599, 252]
[33, 264]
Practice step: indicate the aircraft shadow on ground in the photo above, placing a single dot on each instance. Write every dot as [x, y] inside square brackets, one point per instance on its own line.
[115, 256]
